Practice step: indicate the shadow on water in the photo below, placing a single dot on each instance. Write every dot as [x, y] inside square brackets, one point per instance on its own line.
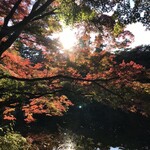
[101, 123]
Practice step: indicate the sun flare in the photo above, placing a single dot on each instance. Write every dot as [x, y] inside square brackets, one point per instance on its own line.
[68, 38]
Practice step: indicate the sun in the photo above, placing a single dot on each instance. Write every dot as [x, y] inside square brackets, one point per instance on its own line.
[68, 38]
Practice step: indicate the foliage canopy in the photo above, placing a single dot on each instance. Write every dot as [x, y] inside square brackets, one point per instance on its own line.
[37, 78]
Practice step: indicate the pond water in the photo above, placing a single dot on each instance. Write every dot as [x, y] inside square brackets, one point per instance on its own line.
[104, 127]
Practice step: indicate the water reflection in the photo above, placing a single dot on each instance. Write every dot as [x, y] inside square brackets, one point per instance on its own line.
[67, 142]
[69, 145]
[110, 127]
[112, 148]
[96, 127]
[71, 141]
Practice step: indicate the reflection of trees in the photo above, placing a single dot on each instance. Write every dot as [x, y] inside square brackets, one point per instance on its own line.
[103, 125]
[109, 127]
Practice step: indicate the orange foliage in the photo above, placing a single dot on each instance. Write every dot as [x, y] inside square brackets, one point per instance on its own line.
[49, 107]
[29, 118]
[8, 114]
[10, 118]
[126, 73]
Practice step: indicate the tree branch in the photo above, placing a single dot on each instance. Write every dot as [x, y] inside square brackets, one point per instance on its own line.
[108, 90]
[43, 7]
[55, 77]
[5, 45]
[11, 13]
[35, 6]
[44, 15]
[15, 30]
[5, 30]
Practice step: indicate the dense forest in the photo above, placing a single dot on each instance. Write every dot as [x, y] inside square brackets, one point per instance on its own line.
[42, 80]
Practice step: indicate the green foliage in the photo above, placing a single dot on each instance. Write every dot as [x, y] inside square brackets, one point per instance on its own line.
[13, 141]
[7, 85]
[118, 28]
[70, 12]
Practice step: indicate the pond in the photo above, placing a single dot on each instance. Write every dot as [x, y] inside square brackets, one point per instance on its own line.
[92, 127]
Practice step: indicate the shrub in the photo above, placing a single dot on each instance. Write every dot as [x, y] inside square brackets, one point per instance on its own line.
[13, 141]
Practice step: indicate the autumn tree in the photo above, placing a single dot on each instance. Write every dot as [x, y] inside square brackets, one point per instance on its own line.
[46, 84]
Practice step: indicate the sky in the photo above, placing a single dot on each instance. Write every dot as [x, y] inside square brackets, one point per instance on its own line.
[141, 36]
